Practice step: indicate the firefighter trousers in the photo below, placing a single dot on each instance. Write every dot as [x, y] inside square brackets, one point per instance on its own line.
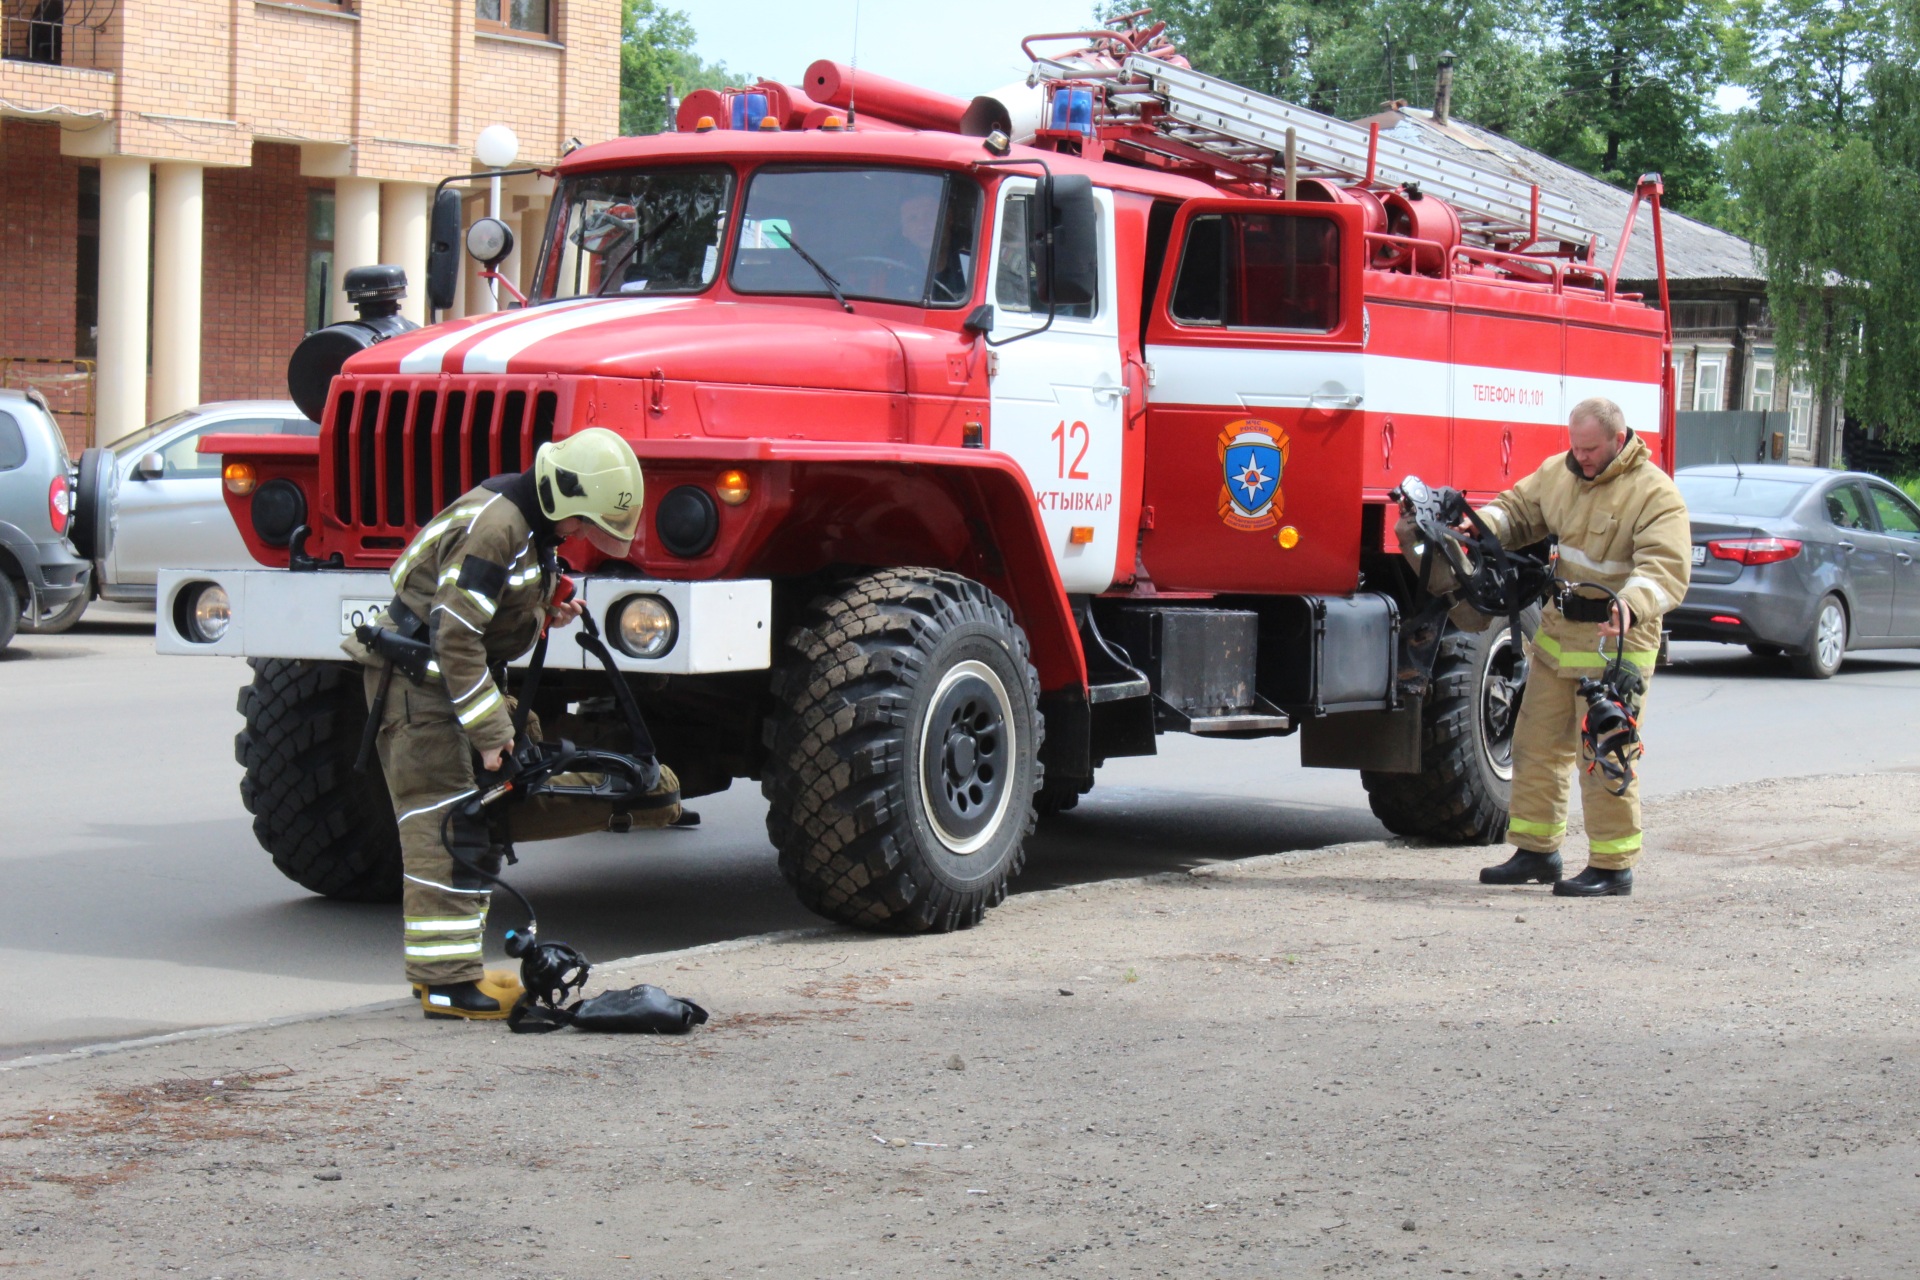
[429, 769]
[1546, 750]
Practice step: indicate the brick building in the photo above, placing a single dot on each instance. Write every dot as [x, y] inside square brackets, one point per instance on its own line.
[183, 182]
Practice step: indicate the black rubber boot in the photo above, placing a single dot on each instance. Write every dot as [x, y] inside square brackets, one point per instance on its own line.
[1597, 882]
[462, 1000]
[1522, 868]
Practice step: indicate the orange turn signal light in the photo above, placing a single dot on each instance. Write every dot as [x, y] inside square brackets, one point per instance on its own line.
[833, 122]
[769, 125]
[240, 477]
[1080, 535]
[733, 488]
[703, 125]
[1288, 537]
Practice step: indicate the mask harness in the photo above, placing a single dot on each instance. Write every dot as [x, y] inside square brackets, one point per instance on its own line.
[1505, 584]
[550, 972]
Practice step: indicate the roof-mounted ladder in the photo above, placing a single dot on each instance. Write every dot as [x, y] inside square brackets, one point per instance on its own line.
[1245, 130]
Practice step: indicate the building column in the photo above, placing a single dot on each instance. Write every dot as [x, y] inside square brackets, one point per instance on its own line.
[178, 236]
[533, 225]
[126, 208]
[403, 240]
[356, 235]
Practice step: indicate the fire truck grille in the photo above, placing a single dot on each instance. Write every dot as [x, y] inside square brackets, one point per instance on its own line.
[403, 450]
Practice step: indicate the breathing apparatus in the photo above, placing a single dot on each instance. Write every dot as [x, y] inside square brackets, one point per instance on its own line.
[1480, 572]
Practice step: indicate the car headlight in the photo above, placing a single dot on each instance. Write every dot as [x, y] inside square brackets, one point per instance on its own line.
[644, 626]
[204, 613]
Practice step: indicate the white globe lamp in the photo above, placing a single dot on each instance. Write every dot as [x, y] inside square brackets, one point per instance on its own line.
[496, 146]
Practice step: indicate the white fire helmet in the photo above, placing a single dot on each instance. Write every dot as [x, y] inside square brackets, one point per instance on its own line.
[592, 474]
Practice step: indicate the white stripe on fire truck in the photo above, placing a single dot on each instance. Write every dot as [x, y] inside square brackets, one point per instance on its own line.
[1258, 379]
[428, 356]
[492, 353]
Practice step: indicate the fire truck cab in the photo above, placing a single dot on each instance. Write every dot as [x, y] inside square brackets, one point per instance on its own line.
[970, 462]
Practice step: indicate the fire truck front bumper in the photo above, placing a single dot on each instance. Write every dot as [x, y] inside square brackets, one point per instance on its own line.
[669, 628]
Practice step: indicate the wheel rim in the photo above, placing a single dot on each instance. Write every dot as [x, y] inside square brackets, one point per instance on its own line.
[1831, 640]
[967, 751]
[1499, 705]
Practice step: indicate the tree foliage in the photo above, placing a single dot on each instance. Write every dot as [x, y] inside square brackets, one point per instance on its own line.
[657, 58]
[1827, 171]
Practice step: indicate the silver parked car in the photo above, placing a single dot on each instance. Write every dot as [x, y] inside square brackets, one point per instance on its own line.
[1800, 561]
[151, 500]
[41, 578]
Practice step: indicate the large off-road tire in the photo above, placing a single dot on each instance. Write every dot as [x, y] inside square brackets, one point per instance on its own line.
[904, 752]
[329, 829]
[1464, 789]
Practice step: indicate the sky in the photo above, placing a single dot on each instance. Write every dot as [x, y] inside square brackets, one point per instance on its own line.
[958, 49]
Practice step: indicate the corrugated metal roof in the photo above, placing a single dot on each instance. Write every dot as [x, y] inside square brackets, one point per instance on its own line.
[1695, 251]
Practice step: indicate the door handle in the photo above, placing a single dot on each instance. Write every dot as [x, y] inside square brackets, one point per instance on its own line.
[1108, 391]
[1903, 557]
[1846, 546]
[1335, 400]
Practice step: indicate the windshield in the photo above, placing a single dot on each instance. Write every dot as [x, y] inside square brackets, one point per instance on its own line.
[1738, 495]
[127, 444]
[637, 232]
[889, 235]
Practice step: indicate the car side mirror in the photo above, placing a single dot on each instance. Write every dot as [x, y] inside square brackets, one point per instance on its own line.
[1076, 243]
[979, 320]
[150, 467]
[443, 250]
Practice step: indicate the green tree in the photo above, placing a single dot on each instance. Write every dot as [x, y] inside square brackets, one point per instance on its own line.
[657, 58]
[1826, 167]
[1635, 86]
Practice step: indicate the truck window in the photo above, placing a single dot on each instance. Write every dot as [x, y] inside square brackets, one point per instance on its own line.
[888, 235]
[1260, 271]
[637, 231]
[1021, 287]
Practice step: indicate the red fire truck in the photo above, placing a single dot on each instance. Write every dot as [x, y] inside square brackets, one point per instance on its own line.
[984, 442]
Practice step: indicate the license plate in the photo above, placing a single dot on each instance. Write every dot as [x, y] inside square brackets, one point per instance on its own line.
[1700, 555]
[356, 613]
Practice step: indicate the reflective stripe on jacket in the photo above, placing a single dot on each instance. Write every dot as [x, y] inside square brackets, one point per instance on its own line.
[1626, 529]
[473, 572]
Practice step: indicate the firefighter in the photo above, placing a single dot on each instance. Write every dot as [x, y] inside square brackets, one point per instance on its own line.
[478, 582]
[1621, 524]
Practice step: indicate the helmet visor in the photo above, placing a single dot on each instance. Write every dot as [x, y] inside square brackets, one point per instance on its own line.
[606, 542]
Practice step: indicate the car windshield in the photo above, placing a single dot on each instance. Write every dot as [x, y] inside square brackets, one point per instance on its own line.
[1739, 495]
[128, 443]
[889, 235]
[636, 231]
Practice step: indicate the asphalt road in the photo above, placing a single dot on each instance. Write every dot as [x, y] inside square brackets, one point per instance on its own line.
[137, 901]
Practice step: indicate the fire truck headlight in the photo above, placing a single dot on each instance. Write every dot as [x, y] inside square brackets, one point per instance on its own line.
[644, 626]
[204, 612]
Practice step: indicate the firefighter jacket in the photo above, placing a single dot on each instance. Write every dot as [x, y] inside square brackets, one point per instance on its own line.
[1626, 529]
[474, 573]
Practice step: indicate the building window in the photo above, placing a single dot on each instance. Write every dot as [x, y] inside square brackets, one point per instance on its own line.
[524, 17]
[320, 282]
[1709, 382]
[1760, 386]
[1800, 417]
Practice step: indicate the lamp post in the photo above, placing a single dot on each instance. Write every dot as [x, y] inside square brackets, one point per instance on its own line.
[495, 148]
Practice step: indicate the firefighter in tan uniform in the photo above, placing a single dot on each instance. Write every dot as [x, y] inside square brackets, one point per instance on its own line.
[478, 582]
[1621, 524]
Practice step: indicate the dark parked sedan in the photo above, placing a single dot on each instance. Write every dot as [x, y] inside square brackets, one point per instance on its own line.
[1801, 561]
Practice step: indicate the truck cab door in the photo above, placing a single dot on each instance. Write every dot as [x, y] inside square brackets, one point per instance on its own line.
[1256, 409]
[1058, 396]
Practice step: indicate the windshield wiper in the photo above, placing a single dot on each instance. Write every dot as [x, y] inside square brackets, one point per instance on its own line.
[819, 270]
[619, 266]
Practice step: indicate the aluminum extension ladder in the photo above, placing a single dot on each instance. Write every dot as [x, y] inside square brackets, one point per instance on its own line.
[1247, 131]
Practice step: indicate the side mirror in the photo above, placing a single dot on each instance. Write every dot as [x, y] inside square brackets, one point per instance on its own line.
[979, 320]
[150, 467]
[443, 250]
[489, 241]
[1075, 266]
